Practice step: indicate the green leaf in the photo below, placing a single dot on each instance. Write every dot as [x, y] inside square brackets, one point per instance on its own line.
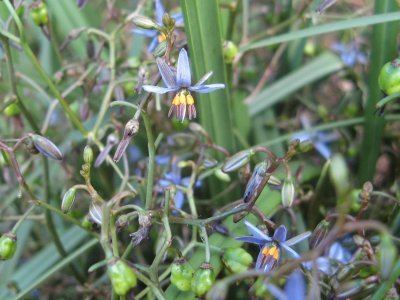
[29, 271]
[202, 24]
[325, 28]
[318, 68]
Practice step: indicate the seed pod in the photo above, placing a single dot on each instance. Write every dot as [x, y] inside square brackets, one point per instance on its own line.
[122, 277]
[237, 260]
[230, 50]
[8, 246]
[387, 256]
[88, 154]
[144, 22]
[46, 147]
[389, 77]
[256, 182]
[203, 280]
[68, 200]
[237, 161]
[160, 50]
[182, 274]
[288, 192]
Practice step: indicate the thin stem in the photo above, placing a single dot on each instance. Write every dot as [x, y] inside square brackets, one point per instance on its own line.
[22, 219]
[150, 171]
[204, 237]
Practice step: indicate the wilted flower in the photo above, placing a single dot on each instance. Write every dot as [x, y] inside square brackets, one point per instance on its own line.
[131, 129]
[112, 140]
[319, 140]
[350, 54]
[156, 36]
[181, 83]
[271, 247]
[257, 181]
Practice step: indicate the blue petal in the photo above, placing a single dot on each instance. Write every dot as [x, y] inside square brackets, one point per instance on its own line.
[323, 149]
[178, 18]
[256, 232]
[276, 292]
[280, 234]
[145, 32]
[204, 79]
[160, 10]
[158, 89]
[252, 240]
[295, 287]
[339, 253]
[153, 44]
[290, 251]
[179, 199]
[207, 88]
[298, 238]
[183, 75]
[167, 73]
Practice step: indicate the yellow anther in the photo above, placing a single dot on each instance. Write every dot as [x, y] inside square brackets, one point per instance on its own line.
[189, 99]
[161, 38]
[176, 100]
[182, 98]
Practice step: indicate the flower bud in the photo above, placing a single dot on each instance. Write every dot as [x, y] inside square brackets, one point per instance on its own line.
[222, 176]
[389, 77]
[319, 233]
[144, 22]
[288, 192]
[8, 246]
[95, 213]
[131, 129]
[230, 50]
[237, 161]
[68, 200]
[257, 181]
[168, 21]
[339, 174]
[274, 181]
[88, 154]
[39, 14]
[46, 147]
[387, 256]
[182, 274]
[160, 50]
[122, 277]
[203, 280]
[237, 260]
[209, 163]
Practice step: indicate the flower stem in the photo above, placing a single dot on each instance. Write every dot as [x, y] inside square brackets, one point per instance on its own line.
[152, 152]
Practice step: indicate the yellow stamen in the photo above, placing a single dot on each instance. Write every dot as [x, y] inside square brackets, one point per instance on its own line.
[189, 99]
[161, 38]
[176, 100]
[182, 98]
[273, 251]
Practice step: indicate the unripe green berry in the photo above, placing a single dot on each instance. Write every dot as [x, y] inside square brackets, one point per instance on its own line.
[237, 260]
[12, 110]
[182, 274]
[203, 279]
[230, 51]
[122, 277]
[8, 246]
[389, 77]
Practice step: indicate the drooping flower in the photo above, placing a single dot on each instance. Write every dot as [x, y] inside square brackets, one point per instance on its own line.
[156, 36]
[271, 247]
[180, 82]
[320, 140]
[350, 53]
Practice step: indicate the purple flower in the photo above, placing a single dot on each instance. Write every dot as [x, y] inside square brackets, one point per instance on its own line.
[350, 54]
[155, 35]
[319, 140]
[81, 3]
[180, 82]
[295, 288]
[271, 247]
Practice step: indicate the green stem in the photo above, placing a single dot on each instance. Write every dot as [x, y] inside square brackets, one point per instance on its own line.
[150, 171]
[22, 219]
[387, 99]
[204, 237]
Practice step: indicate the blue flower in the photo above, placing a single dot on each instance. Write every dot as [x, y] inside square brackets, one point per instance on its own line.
[271, 247]
[180, 82]
[319, 139]
[155, 35]
[329, 264]
[350, 54]
[295, 288]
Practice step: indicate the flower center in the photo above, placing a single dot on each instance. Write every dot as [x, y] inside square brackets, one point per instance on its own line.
[161, 37]
[182, 102]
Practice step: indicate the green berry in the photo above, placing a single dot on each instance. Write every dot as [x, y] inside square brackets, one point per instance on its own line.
[8, 246]
[237, 260]
[389, 77]
[203, 279]
[12, 110]
[122, 277]
[182, 274]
